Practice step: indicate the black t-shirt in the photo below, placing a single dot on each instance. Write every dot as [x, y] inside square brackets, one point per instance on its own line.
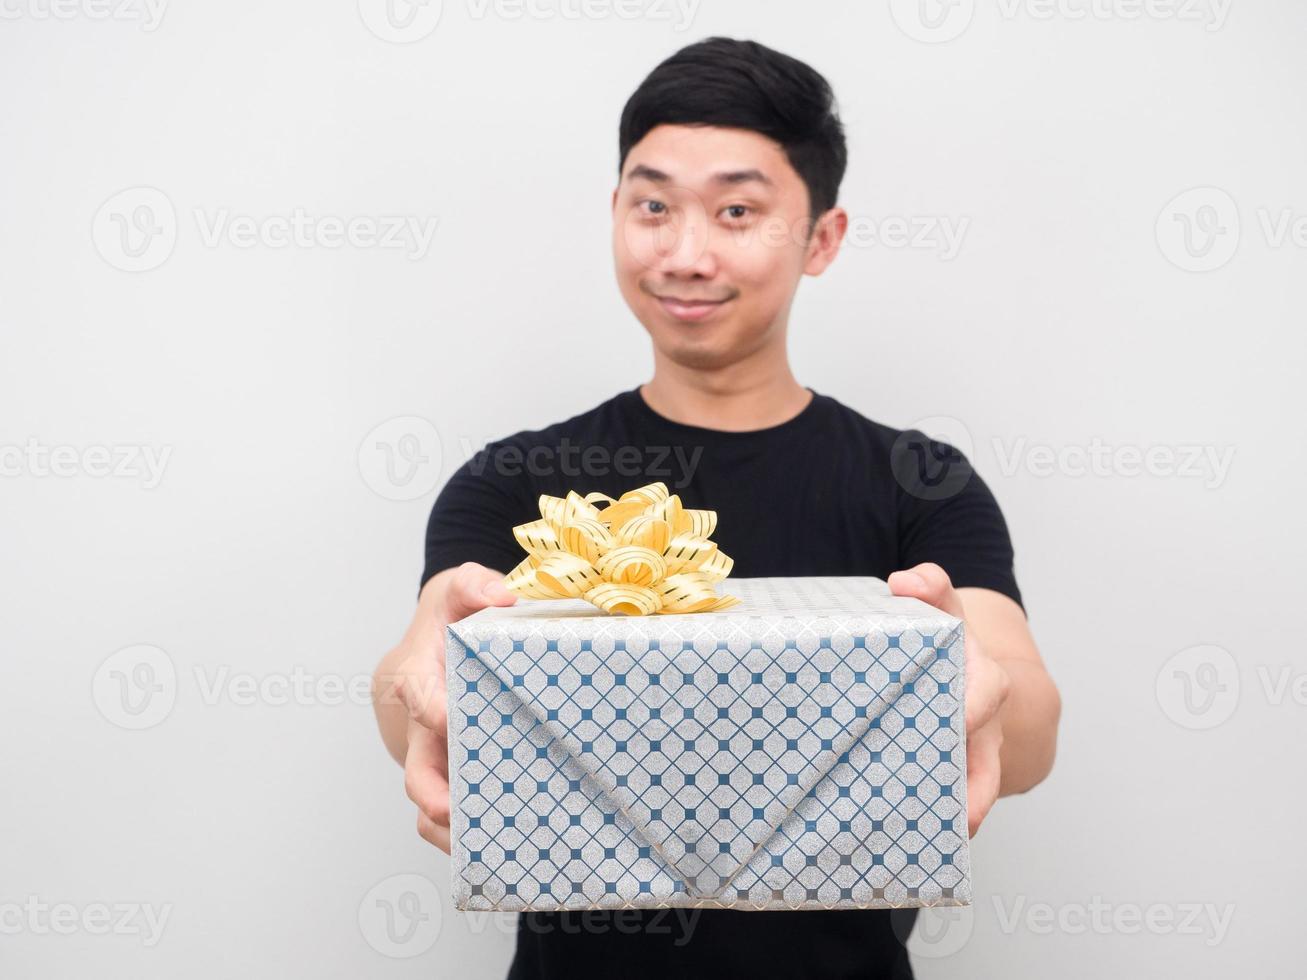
[828, 492]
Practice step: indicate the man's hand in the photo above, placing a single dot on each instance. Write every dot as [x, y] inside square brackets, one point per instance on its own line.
[408, 689]
[987, 687]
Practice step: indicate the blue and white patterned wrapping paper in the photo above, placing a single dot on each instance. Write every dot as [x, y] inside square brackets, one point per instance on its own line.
[802, 750]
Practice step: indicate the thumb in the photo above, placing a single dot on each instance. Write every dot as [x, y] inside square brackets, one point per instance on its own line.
[929, 583]
[472, 587]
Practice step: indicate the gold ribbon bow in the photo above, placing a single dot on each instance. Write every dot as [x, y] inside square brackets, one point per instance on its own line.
[643, 553]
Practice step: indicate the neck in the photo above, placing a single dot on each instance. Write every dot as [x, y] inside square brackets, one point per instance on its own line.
[752, 394]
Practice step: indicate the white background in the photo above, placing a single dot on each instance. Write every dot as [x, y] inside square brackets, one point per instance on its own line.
[1074, 317]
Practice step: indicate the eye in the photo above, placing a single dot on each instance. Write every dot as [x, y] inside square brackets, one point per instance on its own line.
[652, 208]
[737, 211]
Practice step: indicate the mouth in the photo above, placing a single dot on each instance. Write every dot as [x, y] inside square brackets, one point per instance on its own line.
[690, 310]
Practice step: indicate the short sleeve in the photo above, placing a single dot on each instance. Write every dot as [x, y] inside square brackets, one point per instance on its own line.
[954, 521]
[473, 519]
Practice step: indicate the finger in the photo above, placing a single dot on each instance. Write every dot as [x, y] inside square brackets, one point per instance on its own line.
[983, 775]
[988, 685]
[474, 587]
[433, 833]
[426, 776]
[430, 793]
[929, 583]
[427, 700]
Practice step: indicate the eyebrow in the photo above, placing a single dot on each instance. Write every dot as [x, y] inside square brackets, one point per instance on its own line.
[730, 178]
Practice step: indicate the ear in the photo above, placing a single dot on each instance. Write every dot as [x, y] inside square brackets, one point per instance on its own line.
[824, 242]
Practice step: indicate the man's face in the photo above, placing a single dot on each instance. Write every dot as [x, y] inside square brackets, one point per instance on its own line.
[711, 234]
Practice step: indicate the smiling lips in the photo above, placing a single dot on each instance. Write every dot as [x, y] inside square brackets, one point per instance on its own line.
[690, 309]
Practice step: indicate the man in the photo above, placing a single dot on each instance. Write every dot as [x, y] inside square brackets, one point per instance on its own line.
[731, 157]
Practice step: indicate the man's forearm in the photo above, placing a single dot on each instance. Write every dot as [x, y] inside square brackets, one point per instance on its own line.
[1030, 718]
[421, 637]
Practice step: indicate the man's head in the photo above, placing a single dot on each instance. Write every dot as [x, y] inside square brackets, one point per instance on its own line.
[731, 158]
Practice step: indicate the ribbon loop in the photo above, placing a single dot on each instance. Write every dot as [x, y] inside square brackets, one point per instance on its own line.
[625, 600]
[632, 565]
[565, 510]
[567, 574]
[538, 538]
[586, 537]
[685, 553]
[688, 592]
[696, 523]
[647, 532]
[522, 580]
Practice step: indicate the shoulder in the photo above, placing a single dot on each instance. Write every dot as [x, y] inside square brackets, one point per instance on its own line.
[850, 422]
[923, 471]
[910, 453]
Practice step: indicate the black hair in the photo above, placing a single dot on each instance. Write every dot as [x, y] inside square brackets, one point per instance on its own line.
[725, 82]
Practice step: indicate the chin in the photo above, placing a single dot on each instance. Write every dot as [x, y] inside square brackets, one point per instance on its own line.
[697, 353]
[696, 360]
[702, 346]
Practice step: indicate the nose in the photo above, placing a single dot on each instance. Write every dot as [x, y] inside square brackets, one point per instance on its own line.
[682, 246]
[690, 254]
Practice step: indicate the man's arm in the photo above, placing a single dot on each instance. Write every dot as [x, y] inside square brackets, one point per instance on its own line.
[422, 637]
[408, 689]
[1012, 705]
[469, 520]
[1032, 709]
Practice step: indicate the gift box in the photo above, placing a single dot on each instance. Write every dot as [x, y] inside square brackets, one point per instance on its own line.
[802, 750]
